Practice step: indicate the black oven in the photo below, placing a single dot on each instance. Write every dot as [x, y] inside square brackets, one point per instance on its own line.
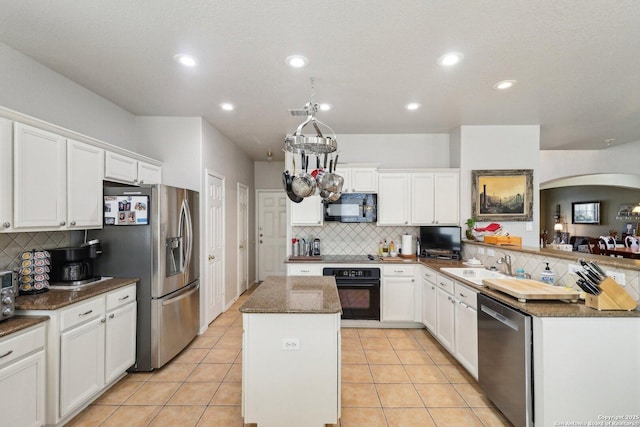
[359, 290]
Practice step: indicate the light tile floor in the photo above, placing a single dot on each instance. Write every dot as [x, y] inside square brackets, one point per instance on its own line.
[390, 377]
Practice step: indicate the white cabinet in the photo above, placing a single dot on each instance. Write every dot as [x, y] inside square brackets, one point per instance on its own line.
[81, 363]
[304, 269]
[40, 178]
[90, 345]
[120, 333]
[466, 330]
[307, 212]
[6, 176]
[22, 377]
[398, 289]
[393, 199]
[125, 169]
[85, 171]
[445, 312]
[418, 198]
[429, 295]
[56, 183]
[358, 179]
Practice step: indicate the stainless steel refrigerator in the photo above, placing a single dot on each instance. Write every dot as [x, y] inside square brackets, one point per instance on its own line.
[151, 232]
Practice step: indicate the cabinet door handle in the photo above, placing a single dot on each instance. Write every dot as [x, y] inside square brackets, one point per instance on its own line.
[111, 316]
[6, 224]
[62, 223]
[73, 223]
[433, 287]
[6, 354]
[85, 313]
[462, 295]
[124, 298]
[103, 321]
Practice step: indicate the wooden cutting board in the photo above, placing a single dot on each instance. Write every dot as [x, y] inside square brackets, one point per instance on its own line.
[527, 289]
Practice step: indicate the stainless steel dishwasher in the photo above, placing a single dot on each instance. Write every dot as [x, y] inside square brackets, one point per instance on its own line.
[504, 359]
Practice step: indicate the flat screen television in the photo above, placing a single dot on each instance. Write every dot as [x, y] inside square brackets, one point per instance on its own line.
[440, 239]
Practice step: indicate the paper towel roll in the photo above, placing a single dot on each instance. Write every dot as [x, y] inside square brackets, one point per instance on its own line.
[408, 245]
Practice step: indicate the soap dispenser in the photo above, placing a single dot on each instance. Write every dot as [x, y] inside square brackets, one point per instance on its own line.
[547, 275]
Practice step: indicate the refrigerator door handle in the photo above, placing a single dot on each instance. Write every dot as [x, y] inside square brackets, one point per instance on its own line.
[188, 234]
[182, 295]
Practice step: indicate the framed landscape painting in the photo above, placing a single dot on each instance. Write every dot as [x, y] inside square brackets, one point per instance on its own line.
[502, 195]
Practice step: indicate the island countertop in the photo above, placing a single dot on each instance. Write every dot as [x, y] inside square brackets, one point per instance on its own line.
[295, 294]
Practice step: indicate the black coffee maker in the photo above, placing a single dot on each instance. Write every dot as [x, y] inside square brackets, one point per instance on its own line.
[74, 265]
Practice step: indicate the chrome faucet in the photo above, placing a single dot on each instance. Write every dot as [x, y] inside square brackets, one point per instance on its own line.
[506, 260]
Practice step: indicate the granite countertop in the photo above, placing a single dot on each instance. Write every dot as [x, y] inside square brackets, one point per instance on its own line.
[55, 299]
[295, 294]
[534, 308]
[18, 323]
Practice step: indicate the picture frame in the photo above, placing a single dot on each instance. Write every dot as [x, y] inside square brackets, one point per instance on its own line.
[630, 228]
[585, 212]
[502, 194]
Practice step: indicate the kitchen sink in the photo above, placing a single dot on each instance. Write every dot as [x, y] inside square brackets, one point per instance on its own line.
[474, 275]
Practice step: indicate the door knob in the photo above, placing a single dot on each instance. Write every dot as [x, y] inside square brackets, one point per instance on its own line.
[212, 257]
[241, 246]
[260, 234]
[260, 241]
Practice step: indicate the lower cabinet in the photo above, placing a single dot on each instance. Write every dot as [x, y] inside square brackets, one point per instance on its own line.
[466, 330]
[304, 269]
[90, 345]
[429, 295]
[445, 317]
[22, 377]
[398, 293]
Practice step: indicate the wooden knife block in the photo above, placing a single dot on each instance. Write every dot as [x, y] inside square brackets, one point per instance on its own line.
[613, 297]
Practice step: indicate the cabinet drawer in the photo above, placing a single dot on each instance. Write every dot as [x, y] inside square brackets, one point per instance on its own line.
[15, 347]
[466, 295]
[429, 275]
[445, 283]
[121, 296]
[81, 312]
[398, 270]
[304, 270]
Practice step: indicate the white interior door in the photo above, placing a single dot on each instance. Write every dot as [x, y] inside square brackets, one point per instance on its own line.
[272, 233]
[214, 291]
[243, 238]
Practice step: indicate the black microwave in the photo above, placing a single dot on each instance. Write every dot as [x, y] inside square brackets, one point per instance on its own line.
[352, 207]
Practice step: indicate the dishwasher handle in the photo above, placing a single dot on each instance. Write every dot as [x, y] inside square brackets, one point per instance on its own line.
[499, 317]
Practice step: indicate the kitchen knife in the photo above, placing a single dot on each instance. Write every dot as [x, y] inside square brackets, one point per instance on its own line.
[598, 269]
[588, 287]
[594, 273]
[595, 278]
[582, 284]
[585, 277]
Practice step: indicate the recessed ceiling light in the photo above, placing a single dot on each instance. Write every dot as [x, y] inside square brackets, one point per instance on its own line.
[227, 106]
[412, 106]
[505, 84]
[296, 61]
[325, 107]
[449, 59]
[186, 60]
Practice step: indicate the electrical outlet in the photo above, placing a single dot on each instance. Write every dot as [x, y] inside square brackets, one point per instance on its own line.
[480, 251]
[573, 268]
[491, 252]
[290, 344]
[618, 277]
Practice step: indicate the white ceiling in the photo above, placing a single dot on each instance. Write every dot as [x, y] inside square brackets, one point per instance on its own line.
[576, 63]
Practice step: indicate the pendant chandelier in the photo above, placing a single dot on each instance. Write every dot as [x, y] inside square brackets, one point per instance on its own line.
[311, 144]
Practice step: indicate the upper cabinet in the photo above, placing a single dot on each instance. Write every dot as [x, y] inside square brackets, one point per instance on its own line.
[125, 169]
[49, 182]
[307, 212]
[358, 179]
[418, 198]
[39, 178]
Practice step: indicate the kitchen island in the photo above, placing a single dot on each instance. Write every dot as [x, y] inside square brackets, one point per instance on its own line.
[291, 352]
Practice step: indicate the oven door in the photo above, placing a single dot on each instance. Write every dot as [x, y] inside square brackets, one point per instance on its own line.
[359, 299]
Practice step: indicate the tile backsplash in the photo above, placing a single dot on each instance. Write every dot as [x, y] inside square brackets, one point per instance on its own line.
[337, 238]
[535, 263]
[11, 244]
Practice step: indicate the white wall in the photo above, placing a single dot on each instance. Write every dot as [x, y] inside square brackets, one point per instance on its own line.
[501, 147]
[222, 157]
[176, 141]
[29, 87]
[395, 150]
[556, 164]
[268, 175]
